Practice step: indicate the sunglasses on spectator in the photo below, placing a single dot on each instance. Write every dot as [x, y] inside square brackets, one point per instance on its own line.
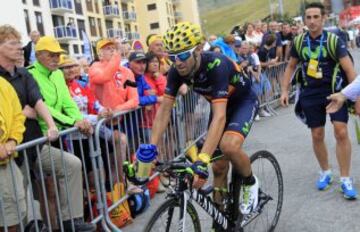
[183, 56]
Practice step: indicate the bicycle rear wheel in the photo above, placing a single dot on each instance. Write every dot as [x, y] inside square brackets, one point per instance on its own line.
[167, 216]
[265, 166]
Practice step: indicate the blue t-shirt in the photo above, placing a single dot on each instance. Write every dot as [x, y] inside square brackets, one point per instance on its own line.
[217, 78]
[323, 86]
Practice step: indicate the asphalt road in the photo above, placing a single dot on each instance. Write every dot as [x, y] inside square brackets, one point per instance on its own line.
[305, 209]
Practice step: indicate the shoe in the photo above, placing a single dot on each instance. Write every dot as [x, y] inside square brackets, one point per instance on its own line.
[249, 197]
[264, 113]
[324, 181]
[79, 225]
[257, 118]
[348, 189]
[31, 227]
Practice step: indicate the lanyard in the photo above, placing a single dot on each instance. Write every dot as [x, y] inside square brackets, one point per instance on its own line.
[321, 45]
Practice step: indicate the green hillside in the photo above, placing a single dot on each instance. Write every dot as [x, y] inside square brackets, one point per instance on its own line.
[217, 17]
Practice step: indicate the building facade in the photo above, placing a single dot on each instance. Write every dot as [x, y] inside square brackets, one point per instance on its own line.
[156, 16]
[68, 20]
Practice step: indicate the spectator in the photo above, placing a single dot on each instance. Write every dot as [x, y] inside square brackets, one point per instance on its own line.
[212, 38]
[137, 64]
[84, 71]
[29, 49]
[267, 52]
[251, 36]
[273, 30]
[112, 84]
[286, 39]
[66, 113]
[264, 28]
[30, 99]
[156, 46]
[11, 133]
[258, 32]
[215, 49]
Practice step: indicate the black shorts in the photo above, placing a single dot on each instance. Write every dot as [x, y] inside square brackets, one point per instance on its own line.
[315, 112]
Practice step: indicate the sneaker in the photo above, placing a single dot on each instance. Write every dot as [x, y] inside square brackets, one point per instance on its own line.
[257, 118]
[79, 225]
[249, 197]
[348, 189]
[264, 113]
[324, 181]
[31, 227]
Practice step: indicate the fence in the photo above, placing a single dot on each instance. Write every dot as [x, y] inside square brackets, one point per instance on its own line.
[56, 186]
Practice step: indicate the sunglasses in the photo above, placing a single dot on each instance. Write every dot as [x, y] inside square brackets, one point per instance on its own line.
[183, 56]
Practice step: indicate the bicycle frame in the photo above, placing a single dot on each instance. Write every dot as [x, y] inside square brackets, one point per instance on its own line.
[205, 202]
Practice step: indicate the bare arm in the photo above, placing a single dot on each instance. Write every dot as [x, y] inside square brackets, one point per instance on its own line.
[216, 127]
[290, 69]
[161, 120]
[348, 67]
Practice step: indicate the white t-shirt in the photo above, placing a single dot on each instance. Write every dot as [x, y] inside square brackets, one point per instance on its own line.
[255, 58]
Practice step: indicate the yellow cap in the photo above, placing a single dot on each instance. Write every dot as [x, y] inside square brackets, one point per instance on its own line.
[103, 42]
[48, 43]
[66, 60]
[154, 38]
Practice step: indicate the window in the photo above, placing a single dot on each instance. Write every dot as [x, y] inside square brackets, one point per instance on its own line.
[108, 24]
[89, 5]
[100, 28]
[154, 26]
[27, 21]
[81, 27]
[36, 2]
[39, 23]
[97, 7]
[92, 26]
[65, 47]
[82, 49]
[78, 7]
[76, 49]
[151, 6]
[58, 20]
[24, 1]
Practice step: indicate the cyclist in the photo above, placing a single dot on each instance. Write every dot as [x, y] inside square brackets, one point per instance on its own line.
[233, 106]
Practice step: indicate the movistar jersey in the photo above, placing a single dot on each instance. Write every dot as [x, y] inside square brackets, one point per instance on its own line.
[321, 86]
[217, 78]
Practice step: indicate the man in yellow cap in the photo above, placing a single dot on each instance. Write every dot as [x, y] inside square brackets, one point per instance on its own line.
[66, 114]
[156, 46]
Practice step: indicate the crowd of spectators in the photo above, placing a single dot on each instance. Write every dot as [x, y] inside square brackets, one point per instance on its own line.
[42, 91]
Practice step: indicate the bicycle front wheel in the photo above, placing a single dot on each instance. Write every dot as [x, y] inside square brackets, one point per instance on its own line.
[167, 217]
[267, 169]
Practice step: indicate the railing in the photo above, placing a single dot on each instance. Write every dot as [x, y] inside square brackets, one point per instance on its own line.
[59, 177]
[65, 32]
[111, 10]
[132, 35]
[61, 4]
[115, 33]
[128, 15]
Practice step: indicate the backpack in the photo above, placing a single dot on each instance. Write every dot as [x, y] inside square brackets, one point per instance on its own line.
[339, 80]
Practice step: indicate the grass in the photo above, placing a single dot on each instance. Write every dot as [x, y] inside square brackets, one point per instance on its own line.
[222, 19]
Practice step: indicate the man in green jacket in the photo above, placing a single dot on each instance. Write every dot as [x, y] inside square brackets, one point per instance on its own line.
[66, 114]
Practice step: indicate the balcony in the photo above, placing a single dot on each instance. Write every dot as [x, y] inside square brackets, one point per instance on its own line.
[176, 2]
[65, 33]
[111, 11]
[129, 16]
[115, 33]
[61, 6]
[132, 35]
[178, 15]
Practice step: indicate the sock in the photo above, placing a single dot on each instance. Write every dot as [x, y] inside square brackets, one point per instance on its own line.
[345, 179]
[250, 180]
[327, 172]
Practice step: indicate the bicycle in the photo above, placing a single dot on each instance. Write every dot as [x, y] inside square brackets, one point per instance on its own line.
[180, 197]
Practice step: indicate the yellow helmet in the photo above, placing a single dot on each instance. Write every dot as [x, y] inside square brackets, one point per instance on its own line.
[182, 36]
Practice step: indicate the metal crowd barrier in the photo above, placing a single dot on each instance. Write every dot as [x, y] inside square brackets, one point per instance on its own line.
[270, 96]
[46, 191]
[188, 124]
